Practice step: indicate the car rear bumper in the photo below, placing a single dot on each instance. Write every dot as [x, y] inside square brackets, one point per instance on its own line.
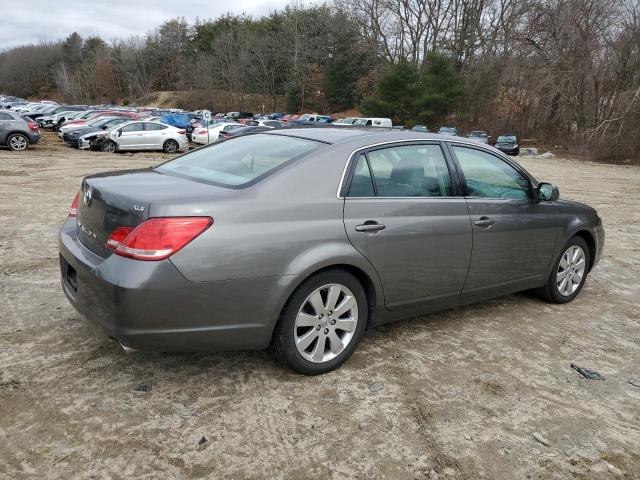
[34, 137]
[152, 306]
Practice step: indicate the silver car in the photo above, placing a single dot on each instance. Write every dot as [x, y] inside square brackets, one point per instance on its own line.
[302, 239]
[146, 135]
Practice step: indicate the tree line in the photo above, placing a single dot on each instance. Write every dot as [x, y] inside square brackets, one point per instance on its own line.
[565, 72]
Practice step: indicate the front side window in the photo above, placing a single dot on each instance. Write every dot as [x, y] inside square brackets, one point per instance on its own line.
[488, 176]
[410, 171]
[241, 160]
[132, 127]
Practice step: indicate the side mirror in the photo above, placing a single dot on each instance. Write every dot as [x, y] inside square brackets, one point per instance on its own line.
[548, 192]
[119, 133]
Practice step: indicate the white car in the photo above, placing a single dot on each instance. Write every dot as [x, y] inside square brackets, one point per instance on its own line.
[200, 135]
[373, 122]
[145, 135]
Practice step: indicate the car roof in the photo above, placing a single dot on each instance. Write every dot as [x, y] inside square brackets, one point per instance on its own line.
[361, 136]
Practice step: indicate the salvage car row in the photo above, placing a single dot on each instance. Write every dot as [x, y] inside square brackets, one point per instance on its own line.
[111, 128]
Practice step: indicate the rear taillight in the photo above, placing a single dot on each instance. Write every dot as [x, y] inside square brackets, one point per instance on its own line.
[202, 132]
[182, 131]
[117, 236]
[157, 238]
[32, 126]
[73, 209]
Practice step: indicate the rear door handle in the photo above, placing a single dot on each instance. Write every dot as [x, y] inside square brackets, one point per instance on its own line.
[484, 222]
[370, 226]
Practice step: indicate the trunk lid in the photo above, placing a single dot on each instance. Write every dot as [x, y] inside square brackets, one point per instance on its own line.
[125, 198]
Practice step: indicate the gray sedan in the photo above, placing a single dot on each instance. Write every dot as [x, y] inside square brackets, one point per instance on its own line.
[301, 239]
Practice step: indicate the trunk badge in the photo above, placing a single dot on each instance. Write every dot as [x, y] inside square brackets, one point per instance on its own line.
[87, 196]
[138, 208]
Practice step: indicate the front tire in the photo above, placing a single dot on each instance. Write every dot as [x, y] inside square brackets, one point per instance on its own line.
[109, 146]
[569, 272]
[17, 142]
[322, 323]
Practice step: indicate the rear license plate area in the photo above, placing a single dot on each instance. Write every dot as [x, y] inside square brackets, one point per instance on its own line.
[69, 274]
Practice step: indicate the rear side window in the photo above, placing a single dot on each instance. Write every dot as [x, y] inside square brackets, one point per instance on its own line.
[239, 161]
[5, 116]
[154, 126]
[408, 171]
[362, 183]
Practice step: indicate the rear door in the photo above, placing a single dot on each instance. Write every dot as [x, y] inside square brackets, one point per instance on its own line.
[513, 236]
[403, 213]
[6, 123]
[154, 135]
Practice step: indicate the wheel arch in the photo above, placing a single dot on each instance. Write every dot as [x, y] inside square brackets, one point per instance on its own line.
[371, 286]
[588, 237]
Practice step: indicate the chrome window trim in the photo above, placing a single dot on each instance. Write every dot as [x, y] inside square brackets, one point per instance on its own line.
[409, 140]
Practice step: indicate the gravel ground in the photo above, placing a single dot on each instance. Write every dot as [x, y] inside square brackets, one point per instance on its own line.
[458, 394]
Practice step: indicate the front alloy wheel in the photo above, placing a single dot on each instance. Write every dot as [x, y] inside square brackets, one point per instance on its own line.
[571, 269]
[322, 323]
[569, 272]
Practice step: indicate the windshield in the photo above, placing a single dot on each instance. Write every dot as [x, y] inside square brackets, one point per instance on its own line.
[239, 161]
[477, 134]
[506, 139]
[448, 130]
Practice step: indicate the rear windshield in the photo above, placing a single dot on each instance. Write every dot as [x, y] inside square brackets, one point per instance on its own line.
[239, 161]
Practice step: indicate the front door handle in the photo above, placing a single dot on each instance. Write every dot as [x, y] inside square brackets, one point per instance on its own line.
[370, 226]
[484, 222]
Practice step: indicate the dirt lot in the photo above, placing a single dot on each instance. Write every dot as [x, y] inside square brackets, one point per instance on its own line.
[462, 392]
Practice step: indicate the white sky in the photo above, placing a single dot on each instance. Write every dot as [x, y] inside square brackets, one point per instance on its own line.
[36, 20]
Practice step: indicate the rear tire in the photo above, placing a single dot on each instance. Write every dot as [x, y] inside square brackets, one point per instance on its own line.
[170, 146]
[314, 340]
[567, 276]
[17, 142]
[109, 146]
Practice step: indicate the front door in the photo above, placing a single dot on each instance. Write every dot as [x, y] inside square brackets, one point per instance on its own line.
[513, 236]
[132, 137]
[402, 213]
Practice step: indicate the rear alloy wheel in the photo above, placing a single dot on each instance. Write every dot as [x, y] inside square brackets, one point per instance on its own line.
[322, 323]
[109, 146]
[18, 142]
[569, 273]
[170, 146]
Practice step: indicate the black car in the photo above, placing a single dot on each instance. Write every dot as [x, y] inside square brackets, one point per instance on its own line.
[508, 143]
[72, 136]
[242, 131]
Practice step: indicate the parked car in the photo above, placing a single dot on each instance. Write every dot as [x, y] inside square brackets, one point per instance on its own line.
[243, 130]
[266, 123]
[344, 121]
[300, 240]
[203, 136]
[479, 136]
[508, 143]
[420, 128]
[16, 131]
[308, 119]
[373, 122]
[448, 131]
[73, 135]
[143, 135]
